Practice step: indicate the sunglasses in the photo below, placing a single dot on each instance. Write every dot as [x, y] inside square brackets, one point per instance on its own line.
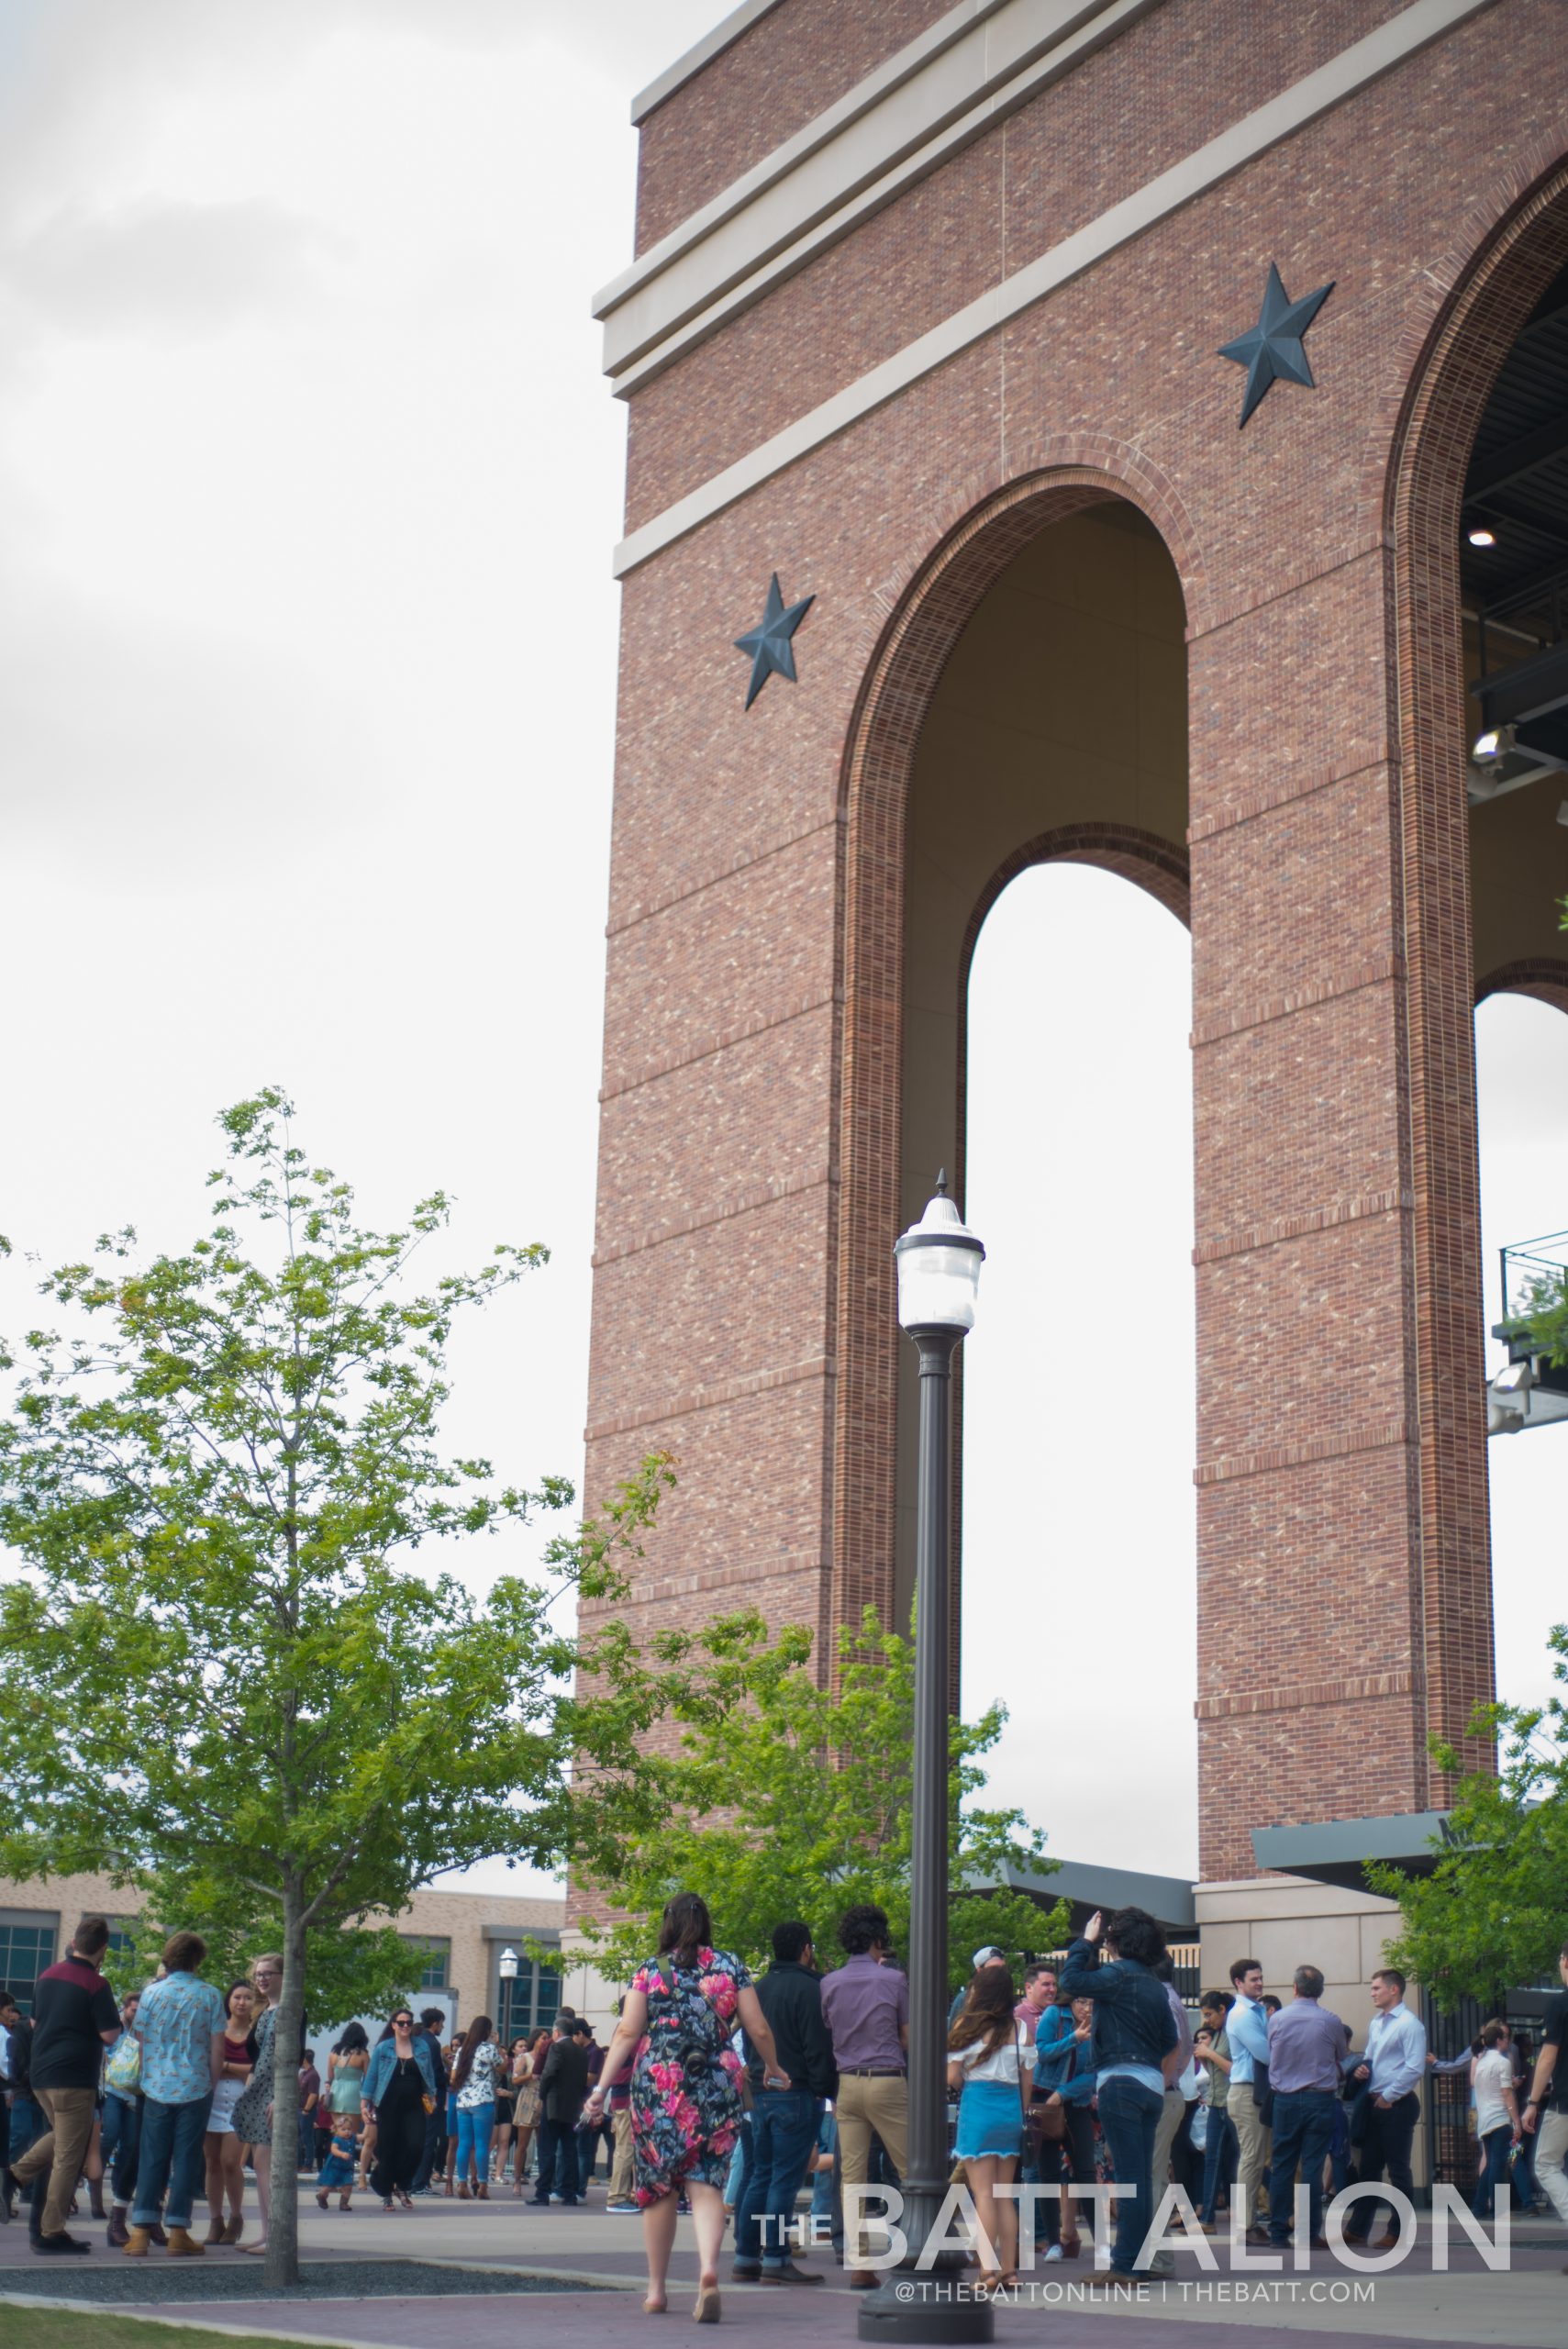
[402, 2022]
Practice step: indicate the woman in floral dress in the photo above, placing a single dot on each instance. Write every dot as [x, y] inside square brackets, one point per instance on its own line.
[680, 2015]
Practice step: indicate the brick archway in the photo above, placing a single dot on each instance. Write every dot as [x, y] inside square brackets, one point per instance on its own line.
[1514, 261]
[1544, 979]
[900, 682]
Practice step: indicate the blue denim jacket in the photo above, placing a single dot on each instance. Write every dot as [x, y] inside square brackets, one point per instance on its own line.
[383, 2063]
[1063, 2063]
[1133, 2022]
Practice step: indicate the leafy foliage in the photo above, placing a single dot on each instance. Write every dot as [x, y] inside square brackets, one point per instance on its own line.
[785, 1798]
[227, 1674]
[1492, 1915]
[1544, 1315]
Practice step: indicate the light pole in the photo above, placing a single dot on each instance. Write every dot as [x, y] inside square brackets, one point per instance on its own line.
[506, 1967]
[938, 1274]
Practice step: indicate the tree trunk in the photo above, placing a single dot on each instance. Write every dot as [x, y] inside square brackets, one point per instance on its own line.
[281, 2261]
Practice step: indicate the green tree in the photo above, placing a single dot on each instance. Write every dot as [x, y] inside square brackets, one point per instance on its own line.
[778, 1798]
[226, 1677]
[1492, 1914]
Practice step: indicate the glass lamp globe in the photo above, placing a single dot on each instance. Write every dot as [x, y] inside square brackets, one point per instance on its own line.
[938, 1269]
[508, 1966]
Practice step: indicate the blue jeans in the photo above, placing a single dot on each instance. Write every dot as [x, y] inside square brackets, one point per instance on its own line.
[474, 2130]
[1219, 2151]
[1304, 2131]
[27, 2123]
[171, 2156]
[1494, 2145]
[121, 2142]
[827, 2202]
[783, 2132]
[1130, 2115]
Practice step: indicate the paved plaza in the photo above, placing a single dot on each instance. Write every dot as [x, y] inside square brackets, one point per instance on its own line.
[579, 2253]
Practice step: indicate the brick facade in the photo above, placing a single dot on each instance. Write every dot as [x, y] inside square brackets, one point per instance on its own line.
[760, 1144]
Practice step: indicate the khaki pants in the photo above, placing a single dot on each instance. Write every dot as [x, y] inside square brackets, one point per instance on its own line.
[621, 2174]
[1551, 2160]
[883, 2104]
[1172, 2105]
[1252, 2142]
[62, 2150]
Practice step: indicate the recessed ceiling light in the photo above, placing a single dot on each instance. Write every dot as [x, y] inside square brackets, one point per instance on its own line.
[1481, 537]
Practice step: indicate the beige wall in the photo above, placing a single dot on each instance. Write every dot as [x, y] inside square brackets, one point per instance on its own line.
[1288, 1920]
[478, 1924]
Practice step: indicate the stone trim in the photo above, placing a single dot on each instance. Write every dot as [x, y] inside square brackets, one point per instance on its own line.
[710, 1399]
[1304, 1454]
[1376, 973]
[1300, 1227]
[1316, 94]
[1305, 1695]
[917, 109]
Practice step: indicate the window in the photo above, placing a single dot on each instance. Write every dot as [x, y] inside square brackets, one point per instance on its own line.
[528, 2004]
[28, 1942]
[434, 1958]
[122, 1946]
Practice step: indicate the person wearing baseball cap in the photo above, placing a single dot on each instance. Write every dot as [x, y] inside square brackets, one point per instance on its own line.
[989, 1956]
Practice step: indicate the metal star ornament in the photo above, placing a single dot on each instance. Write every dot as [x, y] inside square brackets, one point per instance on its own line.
[1272, 350]
[768, 645]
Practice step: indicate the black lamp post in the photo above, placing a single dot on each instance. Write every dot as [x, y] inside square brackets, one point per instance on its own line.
[938, 1274]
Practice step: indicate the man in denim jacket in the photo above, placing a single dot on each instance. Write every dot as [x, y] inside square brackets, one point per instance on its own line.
[1135, 2043]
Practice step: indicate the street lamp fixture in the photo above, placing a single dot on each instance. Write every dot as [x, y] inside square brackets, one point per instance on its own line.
[939, 1263]
[508, 1964]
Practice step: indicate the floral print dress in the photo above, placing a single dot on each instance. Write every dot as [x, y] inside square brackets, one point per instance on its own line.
[684, 2121]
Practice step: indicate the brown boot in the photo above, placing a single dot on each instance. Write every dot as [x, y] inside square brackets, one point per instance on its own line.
[118, 2236]
[234, 2229]
[182, 2244]
[159, 2237]
[137, 2243]
[214, 2228]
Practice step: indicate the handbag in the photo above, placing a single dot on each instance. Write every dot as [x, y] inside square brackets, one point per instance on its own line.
[122, 2070]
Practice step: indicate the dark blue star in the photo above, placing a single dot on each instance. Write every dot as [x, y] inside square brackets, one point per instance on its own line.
[769, 644]
[1273, 347]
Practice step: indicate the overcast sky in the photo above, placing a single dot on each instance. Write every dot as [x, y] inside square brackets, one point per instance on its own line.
[308, 483]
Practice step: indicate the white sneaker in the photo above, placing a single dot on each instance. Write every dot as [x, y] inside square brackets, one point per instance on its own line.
[1053, 2253]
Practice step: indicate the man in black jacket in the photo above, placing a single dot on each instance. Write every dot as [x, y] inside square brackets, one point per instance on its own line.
[563, 2088]
[784, 2121]
[432, 2023]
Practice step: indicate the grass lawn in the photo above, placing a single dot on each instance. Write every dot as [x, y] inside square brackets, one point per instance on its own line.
[69, 2328]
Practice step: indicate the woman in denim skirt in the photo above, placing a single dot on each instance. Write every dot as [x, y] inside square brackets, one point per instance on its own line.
[991, 2060]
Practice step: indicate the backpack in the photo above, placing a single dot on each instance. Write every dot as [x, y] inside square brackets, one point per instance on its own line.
[696, 2056]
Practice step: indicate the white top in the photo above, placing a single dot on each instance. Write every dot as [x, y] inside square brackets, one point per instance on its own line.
[1494, 2073]
[1003, 2062]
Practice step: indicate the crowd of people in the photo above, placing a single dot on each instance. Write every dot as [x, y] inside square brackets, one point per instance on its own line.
[722, 2095]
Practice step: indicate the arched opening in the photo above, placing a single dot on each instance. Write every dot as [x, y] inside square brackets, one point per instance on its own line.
[1521, 1054]
[1028, 705]
[1079, 1392]
[1480, 465]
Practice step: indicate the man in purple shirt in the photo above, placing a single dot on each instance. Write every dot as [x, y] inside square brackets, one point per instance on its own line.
[865, 2006]
[1308, 2046]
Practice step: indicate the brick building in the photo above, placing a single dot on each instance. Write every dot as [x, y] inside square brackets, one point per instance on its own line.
[925, 318]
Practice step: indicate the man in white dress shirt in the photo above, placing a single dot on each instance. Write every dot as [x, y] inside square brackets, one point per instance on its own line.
[1395, 2061]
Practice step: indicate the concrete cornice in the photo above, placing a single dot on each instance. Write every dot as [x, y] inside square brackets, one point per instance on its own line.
[981, 59]
[701, 53]
[1388, 46]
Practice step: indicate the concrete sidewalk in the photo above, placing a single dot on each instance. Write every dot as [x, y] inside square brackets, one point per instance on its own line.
[1468, 2308]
